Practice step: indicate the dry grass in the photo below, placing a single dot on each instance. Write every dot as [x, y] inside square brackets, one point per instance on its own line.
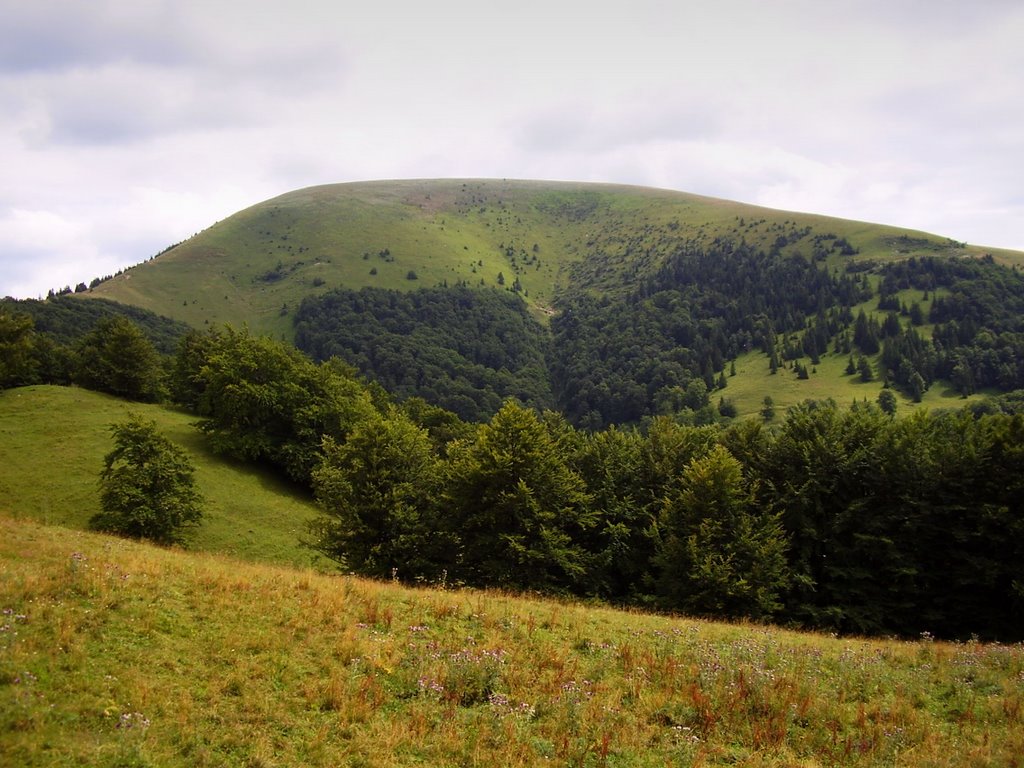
[119, 654]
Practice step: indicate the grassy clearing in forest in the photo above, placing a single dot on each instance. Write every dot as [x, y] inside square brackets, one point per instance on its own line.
[114, 653]
[827, 379]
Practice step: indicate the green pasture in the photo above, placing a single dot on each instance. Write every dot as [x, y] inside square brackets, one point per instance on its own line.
[52, 444]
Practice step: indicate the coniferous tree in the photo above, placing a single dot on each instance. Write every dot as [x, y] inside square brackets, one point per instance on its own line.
[864, 369]
[865, 334]
[887, 402]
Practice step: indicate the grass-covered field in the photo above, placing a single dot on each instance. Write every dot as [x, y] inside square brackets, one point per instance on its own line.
[114, 653]
[119, 654]
[754, 380]
[52, 444]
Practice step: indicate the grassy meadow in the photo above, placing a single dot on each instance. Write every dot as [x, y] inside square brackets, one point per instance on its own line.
[239, 652]
[52, 444]
[114, 653]
[828, 379]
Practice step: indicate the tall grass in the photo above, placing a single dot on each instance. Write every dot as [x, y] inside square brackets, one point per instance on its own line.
[117, 654]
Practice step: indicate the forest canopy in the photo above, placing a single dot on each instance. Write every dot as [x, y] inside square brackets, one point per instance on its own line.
[462, 349]
[837, 518]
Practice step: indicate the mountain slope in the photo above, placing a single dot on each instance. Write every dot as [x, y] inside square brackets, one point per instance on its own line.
[115, 654]
[256, 266]
[52, 444]
[649, 296]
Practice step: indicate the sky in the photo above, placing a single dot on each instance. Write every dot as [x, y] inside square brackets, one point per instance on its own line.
[129, 125]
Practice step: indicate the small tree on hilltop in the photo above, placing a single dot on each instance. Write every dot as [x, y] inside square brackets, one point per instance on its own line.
[147, 489]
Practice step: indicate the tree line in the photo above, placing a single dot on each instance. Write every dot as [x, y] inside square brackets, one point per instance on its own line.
[109, 354]
[843, 519]
[666, 343]
[840, 519]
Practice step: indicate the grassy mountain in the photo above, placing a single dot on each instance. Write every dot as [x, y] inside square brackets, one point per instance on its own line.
[551, 235]
[643, 292]
[114, 653]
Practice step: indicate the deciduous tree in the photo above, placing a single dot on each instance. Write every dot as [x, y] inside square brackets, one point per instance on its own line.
[116, 357]
[517, 507]
[377, 493]
[719, 555]
[147, 490]
[17, 362]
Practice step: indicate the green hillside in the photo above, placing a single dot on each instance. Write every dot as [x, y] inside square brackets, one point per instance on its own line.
[116, 654]
[256, 266]
[615, 305]
[52, 444]
[639, 293]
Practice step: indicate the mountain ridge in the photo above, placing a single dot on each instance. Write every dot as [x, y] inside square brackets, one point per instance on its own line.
[255, 265]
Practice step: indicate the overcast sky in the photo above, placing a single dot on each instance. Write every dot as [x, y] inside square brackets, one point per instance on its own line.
[128, 125]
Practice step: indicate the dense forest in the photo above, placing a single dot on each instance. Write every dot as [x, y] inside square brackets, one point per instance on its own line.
[978, 335]
[844, 519]
[65, 319]
[461, 349]
[664, 346]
